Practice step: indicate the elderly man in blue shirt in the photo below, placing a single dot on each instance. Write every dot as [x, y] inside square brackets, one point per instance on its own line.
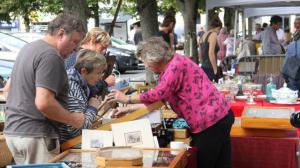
[270, 42]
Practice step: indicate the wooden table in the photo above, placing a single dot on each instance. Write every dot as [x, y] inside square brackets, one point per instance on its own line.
[162, 158]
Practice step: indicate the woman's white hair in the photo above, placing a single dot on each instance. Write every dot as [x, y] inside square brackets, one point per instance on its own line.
[154, 50]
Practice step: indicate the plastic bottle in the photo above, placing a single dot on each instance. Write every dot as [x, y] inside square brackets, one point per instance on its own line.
[269, 88]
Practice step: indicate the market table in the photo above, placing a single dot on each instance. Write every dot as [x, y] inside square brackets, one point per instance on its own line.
[238, 105]
[264, 152]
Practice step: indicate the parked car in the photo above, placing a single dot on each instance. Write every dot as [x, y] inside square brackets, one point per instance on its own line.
[5, 71]
[28, 37]
[10, 46]
[125, 59]
[119, 43]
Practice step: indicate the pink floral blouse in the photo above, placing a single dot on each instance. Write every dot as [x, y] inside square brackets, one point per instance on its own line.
[190, 93]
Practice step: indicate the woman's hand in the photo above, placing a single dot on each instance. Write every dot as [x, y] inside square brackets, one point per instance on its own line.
[95, 102]
[215, 71]
[120, 111]
[117, 96]
[110, 80]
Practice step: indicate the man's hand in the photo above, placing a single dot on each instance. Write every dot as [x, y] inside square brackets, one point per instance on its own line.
[47, 104]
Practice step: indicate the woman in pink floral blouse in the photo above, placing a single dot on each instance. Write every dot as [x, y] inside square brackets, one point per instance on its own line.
[192, 96]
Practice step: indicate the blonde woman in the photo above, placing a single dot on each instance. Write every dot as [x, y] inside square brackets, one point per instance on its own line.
[96, 40]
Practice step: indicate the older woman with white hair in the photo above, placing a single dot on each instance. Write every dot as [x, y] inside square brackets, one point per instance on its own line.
[88, 70]
[192, 96]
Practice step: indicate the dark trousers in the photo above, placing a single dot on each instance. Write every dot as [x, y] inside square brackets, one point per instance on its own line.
[214, 147]
[210, 74]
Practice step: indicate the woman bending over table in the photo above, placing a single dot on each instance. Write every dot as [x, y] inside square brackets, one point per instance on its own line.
[192, 96]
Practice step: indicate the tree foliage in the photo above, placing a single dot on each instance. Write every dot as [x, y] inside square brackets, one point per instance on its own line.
[10, 9]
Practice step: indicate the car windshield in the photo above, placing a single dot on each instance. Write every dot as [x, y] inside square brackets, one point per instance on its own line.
[118, 41]
[12, 41]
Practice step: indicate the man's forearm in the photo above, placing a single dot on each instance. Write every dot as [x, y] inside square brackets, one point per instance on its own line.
[54, 111]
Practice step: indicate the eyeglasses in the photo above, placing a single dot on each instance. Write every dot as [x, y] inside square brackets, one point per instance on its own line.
[102, 74]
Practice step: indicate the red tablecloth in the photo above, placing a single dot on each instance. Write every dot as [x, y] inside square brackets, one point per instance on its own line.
[264, 152]
[238, 105]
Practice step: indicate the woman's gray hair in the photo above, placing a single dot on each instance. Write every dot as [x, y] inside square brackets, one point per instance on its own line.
[154, 50]
[89, 60]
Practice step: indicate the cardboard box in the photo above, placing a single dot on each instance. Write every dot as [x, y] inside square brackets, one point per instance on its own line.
[168, 114]
[181, 133]
[185, 140]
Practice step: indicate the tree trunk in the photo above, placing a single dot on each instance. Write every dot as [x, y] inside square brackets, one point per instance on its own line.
[95, 8]
[111, 31]
[229, 18]
[189, 10]
[26, 22]
[78, 9]
[147, 10]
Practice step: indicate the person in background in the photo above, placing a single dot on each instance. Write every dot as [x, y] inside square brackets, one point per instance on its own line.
[211, 48]
[270, 42]
[166, 29]
[258, 32]
[293, 84]
[264, 26]
[38, 93]
[200, 42]
[190, 93]
[222, 47]
[199, 35]
[287, 38]
[96, 40]
[280, 35]
[296, 34]
[88, 69]
[229, 43]
[137, 34]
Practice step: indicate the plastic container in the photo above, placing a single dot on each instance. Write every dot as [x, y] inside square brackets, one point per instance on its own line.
[45, 165]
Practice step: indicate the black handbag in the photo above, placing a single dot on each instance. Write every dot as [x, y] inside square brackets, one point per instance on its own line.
[291, 65]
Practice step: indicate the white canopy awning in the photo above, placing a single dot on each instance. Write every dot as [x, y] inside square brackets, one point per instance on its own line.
[251, 3]
[251, 12]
